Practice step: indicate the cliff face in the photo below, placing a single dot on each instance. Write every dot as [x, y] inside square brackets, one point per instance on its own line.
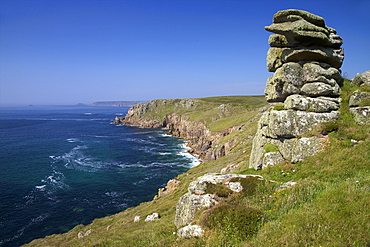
[168, 115]
[202, 141]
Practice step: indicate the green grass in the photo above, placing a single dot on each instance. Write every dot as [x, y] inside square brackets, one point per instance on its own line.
[329, 205]
[271, 148]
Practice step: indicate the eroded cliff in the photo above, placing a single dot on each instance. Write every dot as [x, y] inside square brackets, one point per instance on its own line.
[206, 136]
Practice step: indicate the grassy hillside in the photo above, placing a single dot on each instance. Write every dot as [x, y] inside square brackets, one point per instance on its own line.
[329, 205]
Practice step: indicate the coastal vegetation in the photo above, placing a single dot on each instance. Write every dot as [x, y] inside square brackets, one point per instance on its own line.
[327, 206]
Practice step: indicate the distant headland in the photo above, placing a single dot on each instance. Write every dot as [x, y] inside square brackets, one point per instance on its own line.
[115, 103]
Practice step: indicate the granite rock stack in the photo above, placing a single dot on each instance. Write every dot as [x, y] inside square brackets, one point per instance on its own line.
[305, 56]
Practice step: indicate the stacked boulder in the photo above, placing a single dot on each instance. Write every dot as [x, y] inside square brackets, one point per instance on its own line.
[305, 56]
[359, 102]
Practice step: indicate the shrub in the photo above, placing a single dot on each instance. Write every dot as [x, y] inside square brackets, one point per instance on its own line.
[218, 189]
[249, 185]
[234, 222]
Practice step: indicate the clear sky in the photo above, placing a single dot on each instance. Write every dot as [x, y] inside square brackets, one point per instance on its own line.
[72, 51]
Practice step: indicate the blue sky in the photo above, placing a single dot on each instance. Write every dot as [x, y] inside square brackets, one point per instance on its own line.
[72, 51]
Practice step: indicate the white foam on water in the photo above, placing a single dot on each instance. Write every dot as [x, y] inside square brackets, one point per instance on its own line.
[40, 187]
[194, 159]
[164, 153]
[72, 140]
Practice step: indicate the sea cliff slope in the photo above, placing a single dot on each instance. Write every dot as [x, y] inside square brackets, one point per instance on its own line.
[321, 201]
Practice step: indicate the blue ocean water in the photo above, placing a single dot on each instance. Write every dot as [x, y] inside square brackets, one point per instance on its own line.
[61, 166]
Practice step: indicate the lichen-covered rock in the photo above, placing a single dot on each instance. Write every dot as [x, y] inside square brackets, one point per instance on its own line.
[286, 81]
[361, 114]
[304, 27]
[291, 149]
[321, 72]
[301, 103]
[299, 149]
[197, 197]
[82, 234]
[277, 56]
[272, 159]
[311, 79]
[317, 89]
[152, 217]
[333, 57]
[190, 231]
[190, 203]
[305, 55]
[358, 98]
[361, 79]
[290, 123]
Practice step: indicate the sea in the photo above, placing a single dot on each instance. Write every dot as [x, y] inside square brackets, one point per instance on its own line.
[61, 166]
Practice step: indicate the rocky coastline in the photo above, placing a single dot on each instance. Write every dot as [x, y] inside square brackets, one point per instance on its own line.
[203, 143]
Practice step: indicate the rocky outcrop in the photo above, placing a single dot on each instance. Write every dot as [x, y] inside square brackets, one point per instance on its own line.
[200, 196]
[152, 217]
[305, 55]
[359, 104]
[362, 79]
[172, 184]
[359, 101]
[203, 142]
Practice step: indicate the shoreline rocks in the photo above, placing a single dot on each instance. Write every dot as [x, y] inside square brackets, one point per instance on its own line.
[201, 141]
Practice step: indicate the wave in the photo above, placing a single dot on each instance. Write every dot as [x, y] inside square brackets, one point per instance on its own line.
[194, 158]
[72, 140]
[76, 159]
[164, 153]
[166, 135]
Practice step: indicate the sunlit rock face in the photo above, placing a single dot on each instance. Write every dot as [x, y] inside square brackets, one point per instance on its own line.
[305, 56]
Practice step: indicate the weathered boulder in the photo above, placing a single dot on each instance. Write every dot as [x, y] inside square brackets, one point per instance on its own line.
[359, 98]
[152, 217]
[197, 197]
[311, 79]
[272, 159]
[317, 89]
[189, 204]
[286, 81]
[305, 55]
[277, 56]
[190, 231]
[298, 149]
[172, 184]
[321, 72]
[302, 27]
[82, 234]
[302, 103]
[361, 114]
[360, 107]
[361, 79]
[289, 149]
[290, 123]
